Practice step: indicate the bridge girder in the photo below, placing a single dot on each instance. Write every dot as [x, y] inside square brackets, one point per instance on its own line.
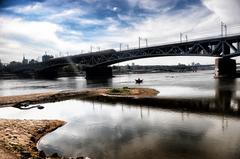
[215, 47]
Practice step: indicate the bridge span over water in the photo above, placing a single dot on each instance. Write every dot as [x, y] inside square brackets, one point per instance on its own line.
[96, 64]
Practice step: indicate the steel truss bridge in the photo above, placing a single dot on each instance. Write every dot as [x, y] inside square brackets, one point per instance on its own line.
[227, 47]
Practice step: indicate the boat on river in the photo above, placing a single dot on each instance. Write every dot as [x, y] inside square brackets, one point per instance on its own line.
[139, 81]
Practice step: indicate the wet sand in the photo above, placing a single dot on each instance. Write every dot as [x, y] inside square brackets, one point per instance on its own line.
[18, 138]
[64, 95]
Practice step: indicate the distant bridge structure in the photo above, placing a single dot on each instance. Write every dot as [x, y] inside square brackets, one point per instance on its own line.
[97, 64]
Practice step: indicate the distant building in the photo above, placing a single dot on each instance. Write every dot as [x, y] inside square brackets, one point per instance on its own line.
[24, 61]
[46, 58]
[1, 66]
[14, 63]
[33, 61]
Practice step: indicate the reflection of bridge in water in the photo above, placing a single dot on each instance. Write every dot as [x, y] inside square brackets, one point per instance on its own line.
[225, 101]
[97, 64]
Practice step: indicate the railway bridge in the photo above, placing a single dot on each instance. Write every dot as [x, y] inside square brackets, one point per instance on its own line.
[97, 64]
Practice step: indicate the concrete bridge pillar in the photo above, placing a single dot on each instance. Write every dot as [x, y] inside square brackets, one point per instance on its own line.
[98, 72]
[46, 74]
[225, 68]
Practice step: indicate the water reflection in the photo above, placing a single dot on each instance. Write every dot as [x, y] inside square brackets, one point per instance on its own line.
[225, 96]
[99, 82]
[124, 131]
[183, 84]
[116, 131]
[223, 102]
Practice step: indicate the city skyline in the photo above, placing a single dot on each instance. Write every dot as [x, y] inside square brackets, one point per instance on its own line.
[31, 27]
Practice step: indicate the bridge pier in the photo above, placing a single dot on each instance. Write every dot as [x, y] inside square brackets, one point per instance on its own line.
[98, 72]
[46, 74]
[225, 68]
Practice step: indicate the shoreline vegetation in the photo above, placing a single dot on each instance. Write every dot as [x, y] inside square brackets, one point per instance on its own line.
[18, 138]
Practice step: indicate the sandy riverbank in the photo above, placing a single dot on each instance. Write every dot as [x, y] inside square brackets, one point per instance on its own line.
[18, 138]
[64, 95]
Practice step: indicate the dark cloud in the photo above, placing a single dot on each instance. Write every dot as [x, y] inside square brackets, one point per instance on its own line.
[10, 3]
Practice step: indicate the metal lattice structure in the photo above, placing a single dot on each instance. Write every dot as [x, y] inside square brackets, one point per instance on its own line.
[213, 47]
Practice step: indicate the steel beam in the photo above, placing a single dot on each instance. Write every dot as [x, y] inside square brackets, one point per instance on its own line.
[238, 46]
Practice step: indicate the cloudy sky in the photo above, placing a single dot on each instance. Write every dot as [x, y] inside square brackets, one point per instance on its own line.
[60, 27]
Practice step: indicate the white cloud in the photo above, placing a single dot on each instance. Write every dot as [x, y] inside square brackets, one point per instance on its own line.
[90, 1]
[67, 14]
[32, 38]
[153, 5]
[41, 31]
[35, 7]
[115, 9]
[161, 28]
[228, 11]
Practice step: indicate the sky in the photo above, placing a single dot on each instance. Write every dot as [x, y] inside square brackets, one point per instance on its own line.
[67, 27]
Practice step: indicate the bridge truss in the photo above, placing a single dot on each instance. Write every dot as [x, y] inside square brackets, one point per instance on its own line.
[213, 47]
[217, 47]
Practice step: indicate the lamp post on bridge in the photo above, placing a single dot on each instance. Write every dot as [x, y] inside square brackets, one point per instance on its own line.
[139, 41]
[146, 42]
[127, 45]
[91, 48]
[223, 29]
[181, 35]
[98, 48]
[120, 46]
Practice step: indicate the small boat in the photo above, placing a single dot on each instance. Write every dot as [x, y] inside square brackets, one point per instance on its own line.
[139, 81]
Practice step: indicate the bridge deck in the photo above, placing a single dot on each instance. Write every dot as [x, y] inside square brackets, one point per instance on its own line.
[228, 46]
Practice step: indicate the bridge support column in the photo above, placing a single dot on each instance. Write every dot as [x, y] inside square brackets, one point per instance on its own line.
[98, 72]
[225, 68]
[46, 74]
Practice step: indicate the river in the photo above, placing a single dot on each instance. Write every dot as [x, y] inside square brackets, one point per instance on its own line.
[169, 84]
[117, 131]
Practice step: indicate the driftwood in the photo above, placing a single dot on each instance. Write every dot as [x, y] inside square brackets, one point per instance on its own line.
[25, 106]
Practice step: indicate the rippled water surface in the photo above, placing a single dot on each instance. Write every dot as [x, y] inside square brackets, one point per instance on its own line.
[122, 131]
[173, 84]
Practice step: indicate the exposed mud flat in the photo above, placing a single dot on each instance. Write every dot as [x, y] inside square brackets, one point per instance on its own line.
[18, 138]
[64, 95]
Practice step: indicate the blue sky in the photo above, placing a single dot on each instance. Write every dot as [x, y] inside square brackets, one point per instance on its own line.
[31, 27]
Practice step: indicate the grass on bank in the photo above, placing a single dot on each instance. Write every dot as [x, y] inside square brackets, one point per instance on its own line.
[119, 91]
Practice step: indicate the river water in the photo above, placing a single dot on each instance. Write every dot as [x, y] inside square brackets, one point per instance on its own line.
[117, 131]
[169, 84]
